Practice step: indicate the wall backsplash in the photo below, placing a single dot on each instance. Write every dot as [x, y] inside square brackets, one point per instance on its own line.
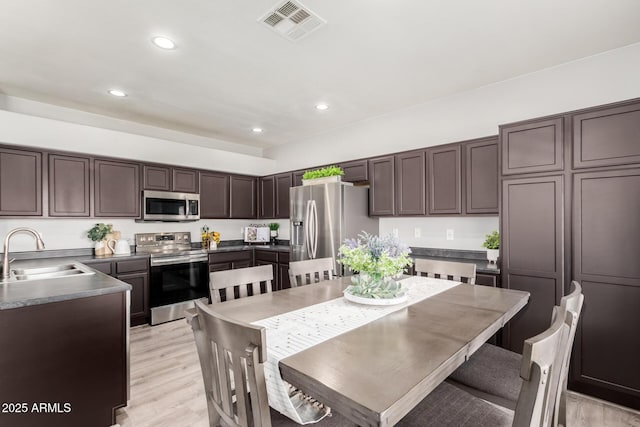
[72, 233]
[468, 232]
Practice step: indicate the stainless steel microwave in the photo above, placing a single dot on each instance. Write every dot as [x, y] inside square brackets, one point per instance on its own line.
[168, 206]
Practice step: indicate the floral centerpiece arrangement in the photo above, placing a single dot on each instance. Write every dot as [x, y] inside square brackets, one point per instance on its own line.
[378, 260]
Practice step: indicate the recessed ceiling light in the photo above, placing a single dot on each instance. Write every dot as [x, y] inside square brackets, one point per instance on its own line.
[163, 42]
[257, 130]
[117, 92]
[322, 107]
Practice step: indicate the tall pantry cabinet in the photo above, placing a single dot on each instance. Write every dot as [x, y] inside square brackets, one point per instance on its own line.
[571, 211]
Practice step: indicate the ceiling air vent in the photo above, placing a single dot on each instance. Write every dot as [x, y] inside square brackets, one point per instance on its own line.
[292, 20]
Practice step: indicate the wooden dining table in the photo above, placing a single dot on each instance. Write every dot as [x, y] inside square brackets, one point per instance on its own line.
[375, 374]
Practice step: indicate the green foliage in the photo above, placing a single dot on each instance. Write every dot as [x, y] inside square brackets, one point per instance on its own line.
[99, 232]
[322, 172]
[492, 240]
[273, 226]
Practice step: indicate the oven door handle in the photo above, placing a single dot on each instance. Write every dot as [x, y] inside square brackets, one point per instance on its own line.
[177, 260]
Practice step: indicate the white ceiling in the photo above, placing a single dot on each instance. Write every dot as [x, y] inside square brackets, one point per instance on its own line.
[230, 73]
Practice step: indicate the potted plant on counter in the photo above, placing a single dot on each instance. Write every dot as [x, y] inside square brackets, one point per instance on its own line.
[98, 234]
[323, 175]
[492, 244]
[273, 231]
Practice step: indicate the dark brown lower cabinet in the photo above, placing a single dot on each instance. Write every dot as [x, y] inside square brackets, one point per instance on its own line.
[533, 252]
[606, 261]
[71, 355]
[488, 279]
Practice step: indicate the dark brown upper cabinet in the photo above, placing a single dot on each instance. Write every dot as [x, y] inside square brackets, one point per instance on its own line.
[117, 189]
[444, 179]
[297, 178]
[410, 183]
[267, 197]
[156, 178]
[535, 146]
[20, 182]
[243, 197]
[214, 195]
[355, 171]
[606, 248]
[607, 137]
[382, 190]
[481, 176]
[166, 178]
[69, 186]
[185, 181]
[284, 181]
[532, 251]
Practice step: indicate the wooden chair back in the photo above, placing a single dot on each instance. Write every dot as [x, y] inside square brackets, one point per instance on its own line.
[311, 271]
[573, 303]
[444, 269]
[542, 362]
[231, 356]
[237, 283]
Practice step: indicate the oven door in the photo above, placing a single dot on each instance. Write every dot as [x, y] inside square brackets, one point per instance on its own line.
[173, 287]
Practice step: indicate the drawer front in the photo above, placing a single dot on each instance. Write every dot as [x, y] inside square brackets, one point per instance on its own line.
[487, 279]
[229, 256]
[220, 266]
[269, 256]
[102, 267]
[132, 265]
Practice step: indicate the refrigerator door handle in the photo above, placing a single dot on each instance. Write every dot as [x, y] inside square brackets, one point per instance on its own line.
[315, 228]
[307, 228]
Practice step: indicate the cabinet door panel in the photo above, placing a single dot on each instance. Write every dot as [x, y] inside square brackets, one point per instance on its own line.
[156, 178]
[214, 195]
[139, 296]
[445, 188]
[355, 171]
[532, 251]
[410, 183]
[185, 181]
[381, 193]
[607, 137]
[481, 160]
[20, 182]
[536, 146]
[69, 187]
[606, 250]
[283, 276]
[117, 191]
[283, 184]
[243, 197]
[267, 197]
[297, 178]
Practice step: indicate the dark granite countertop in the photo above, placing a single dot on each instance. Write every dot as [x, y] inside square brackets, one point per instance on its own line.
[18, 294]
[231, 248]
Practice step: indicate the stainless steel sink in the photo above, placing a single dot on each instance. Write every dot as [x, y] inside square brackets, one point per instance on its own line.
[39, 273]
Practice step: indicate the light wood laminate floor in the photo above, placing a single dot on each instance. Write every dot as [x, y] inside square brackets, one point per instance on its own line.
[167, 390]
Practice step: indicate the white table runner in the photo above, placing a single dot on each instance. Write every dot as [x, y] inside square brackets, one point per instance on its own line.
[295, 331]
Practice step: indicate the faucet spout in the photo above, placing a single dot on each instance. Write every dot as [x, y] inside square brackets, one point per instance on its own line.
[6, 273]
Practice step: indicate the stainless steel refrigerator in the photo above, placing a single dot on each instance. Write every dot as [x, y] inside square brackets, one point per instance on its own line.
[324, 215]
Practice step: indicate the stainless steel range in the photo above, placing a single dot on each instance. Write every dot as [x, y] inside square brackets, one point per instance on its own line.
[179, 274]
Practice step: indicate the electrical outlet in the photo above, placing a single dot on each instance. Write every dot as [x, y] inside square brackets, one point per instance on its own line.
[395, 232]
[449, 234]
[417, 232]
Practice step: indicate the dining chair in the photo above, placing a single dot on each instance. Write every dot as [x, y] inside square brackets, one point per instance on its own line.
[232, 356]
[492, 373]
[541, 371]
[444, 269]
[239, 282]
[311, 271]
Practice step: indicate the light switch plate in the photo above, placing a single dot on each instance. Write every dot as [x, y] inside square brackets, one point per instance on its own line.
[417, 232]
[395, 232]
[449, 234]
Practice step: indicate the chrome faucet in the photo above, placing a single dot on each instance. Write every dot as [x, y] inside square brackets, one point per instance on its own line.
[6, 273]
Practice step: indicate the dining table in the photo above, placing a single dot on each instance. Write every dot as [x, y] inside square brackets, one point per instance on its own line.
[377, 373]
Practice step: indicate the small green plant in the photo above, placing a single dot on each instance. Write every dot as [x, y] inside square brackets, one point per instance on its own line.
[322, 172]
[492, 240]
[274, 226]
[99, 232]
